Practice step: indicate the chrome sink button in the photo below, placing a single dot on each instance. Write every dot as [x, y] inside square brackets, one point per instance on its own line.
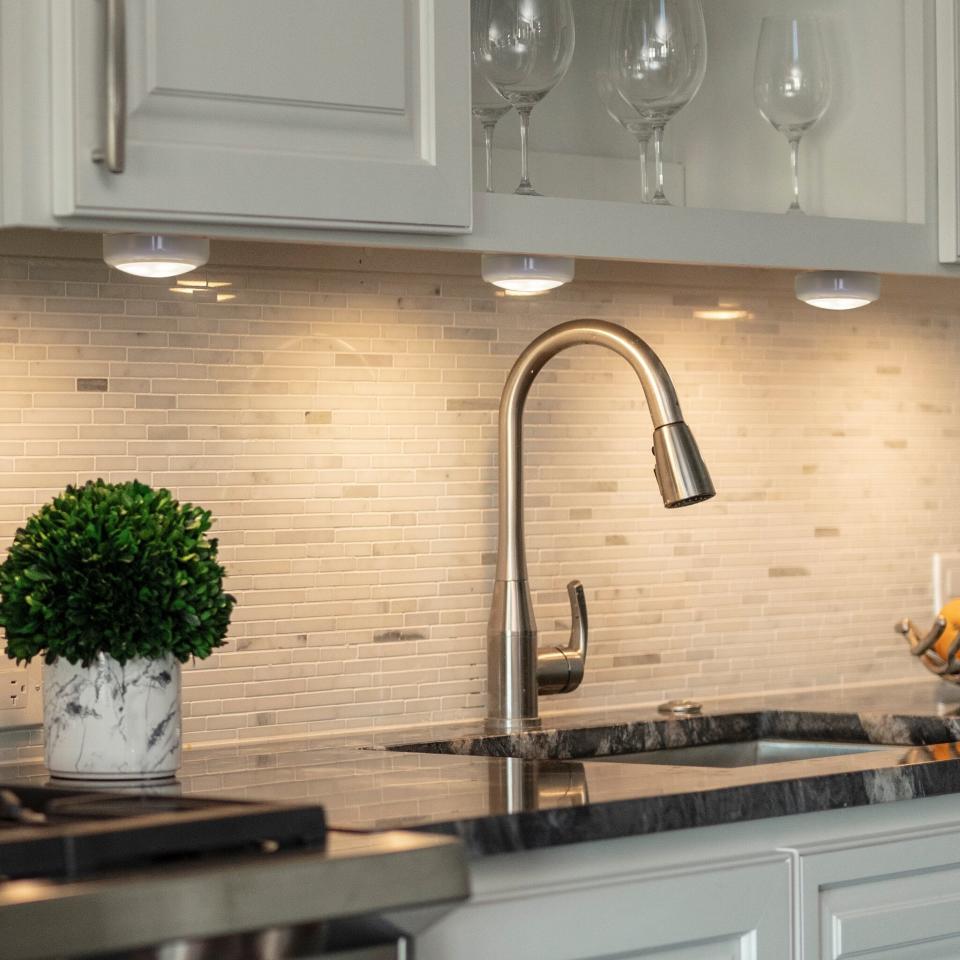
[681, 708]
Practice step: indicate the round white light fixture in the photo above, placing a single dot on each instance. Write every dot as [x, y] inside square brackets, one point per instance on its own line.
[837, 289]
[526, 275]
[154, 255]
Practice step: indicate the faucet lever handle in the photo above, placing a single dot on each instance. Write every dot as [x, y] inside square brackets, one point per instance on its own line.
[560, 669]
[577, 646]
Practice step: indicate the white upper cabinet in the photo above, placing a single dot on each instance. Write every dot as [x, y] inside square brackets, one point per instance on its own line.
[293, 113]
[348, 121]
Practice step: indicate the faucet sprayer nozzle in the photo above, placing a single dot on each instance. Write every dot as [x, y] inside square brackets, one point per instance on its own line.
[681, 473]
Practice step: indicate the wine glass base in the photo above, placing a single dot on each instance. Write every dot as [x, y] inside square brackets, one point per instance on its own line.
[525, 190]
[660, 202]
[796, 209]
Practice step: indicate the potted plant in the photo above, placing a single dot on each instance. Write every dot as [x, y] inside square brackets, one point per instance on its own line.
[115, 585]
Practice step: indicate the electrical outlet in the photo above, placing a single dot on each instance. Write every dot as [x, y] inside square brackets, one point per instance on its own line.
[14, 693]
[20, 695]
[946, 579]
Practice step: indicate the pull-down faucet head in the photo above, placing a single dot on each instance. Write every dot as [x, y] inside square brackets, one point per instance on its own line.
[518, 671]
[680, 470]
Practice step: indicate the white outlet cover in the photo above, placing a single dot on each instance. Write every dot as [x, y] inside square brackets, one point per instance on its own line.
[946, 579]
[20, 696]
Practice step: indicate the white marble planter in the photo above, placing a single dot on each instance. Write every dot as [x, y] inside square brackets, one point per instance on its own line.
[112, 722]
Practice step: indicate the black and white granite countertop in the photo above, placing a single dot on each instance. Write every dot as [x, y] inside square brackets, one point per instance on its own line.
[499, 805]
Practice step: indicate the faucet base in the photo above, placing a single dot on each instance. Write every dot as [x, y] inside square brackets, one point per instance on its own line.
[501, 725]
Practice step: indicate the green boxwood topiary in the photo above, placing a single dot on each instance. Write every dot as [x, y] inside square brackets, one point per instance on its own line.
[119, 569]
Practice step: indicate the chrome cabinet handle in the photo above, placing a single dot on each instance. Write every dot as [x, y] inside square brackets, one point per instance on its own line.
[114, 153]
[560, 669]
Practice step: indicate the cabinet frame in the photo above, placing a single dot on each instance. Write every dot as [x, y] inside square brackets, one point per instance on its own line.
[948, 130]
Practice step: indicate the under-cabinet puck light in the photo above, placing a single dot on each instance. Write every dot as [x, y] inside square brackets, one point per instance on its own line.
[526, 275]
[837, 289]
[154, 255]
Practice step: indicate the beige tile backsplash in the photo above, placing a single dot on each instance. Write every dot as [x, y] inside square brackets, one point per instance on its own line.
[340, 421]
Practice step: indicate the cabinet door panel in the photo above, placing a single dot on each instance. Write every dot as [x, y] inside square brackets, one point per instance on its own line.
[726, 948]
[879, 898]
[216, 47]
[915, 917]
[733, 912]
[295, 112]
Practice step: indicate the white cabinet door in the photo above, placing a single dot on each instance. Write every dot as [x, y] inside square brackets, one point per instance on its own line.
[294, 112]
[715, 912]
[880, 900]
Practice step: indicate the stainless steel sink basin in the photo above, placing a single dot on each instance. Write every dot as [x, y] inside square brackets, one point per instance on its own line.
[746, 753]
[724, 740]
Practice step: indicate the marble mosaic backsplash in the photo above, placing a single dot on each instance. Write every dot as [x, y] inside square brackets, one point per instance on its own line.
[339, 419]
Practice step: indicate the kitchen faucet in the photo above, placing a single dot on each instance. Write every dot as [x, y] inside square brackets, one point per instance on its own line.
[518, 671]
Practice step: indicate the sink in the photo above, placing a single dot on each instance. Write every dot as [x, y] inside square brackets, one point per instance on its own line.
[746, 753]
[722, 740]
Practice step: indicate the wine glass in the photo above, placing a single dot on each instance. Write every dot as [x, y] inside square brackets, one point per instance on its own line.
[488, 107]
[791, 82]
[616, 106]
[523, 49]
[658, 57]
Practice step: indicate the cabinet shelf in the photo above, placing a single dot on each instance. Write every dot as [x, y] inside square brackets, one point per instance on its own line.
[630, 231]
[633, 231]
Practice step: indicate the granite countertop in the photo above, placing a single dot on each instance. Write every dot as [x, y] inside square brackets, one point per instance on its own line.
[500, 805]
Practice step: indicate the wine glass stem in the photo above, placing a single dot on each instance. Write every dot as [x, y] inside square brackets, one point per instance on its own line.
[795, 169]
[659, 196]
[488, 152]
[525, 185]
[644, 179]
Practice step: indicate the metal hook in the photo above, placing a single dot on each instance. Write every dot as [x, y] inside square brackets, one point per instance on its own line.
[919, 647]
[948, 668]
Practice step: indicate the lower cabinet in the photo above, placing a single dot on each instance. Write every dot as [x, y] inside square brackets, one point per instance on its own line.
[870, 883]
[722, 911]
[875, 901]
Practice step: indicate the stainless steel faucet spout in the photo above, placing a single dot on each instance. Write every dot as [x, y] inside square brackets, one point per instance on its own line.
[517, 670]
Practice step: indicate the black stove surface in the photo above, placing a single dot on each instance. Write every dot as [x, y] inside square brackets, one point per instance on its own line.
[54, 832]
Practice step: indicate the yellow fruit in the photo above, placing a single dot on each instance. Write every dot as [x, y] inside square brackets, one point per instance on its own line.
[950, 613]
